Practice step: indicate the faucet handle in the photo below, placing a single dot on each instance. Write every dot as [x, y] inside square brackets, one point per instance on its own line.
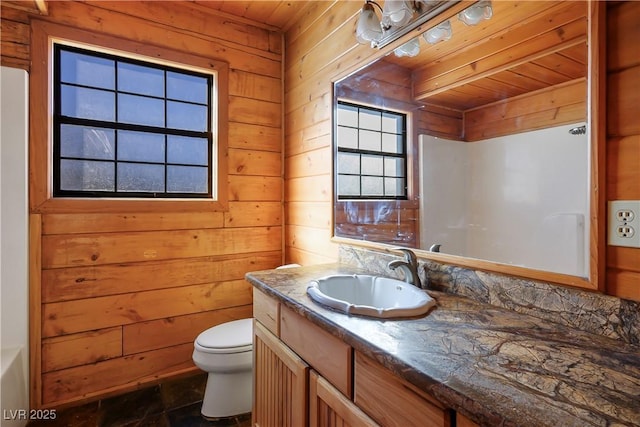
[409, 256]
[409, 266]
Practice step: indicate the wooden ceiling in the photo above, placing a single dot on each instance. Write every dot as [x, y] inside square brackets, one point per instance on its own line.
[524, 47]
[276, 14]
[271, 14]
[38, 7]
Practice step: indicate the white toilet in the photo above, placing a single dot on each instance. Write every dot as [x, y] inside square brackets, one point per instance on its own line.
[226, 352]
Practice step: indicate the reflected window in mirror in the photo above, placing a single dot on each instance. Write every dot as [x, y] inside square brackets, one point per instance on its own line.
[372, 154]
[372, 161]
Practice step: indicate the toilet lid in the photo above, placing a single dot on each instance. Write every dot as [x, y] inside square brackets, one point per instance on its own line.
[236, 335]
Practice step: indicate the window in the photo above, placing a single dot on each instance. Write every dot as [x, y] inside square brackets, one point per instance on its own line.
[371, 159]
[128, 128]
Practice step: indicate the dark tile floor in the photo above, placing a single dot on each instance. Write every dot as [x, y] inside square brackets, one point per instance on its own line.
[174, 403]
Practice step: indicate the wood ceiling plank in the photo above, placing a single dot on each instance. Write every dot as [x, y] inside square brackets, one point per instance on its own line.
[501, 84]
[38, 7]
[525, 52]
[540, 73]
[563, 65]
[578, 53]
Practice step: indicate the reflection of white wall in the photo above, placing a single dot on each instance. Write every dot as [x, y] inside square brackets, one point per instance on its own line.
[444, 205]
[526, 199]
[13, 219]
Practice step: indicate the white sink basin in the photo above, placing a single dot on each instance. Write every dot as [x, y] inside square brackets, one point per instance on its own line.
[373, 296]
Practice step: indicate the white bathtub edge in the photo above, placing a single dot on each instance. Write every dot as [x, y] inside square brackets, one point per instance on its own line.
[13, 389]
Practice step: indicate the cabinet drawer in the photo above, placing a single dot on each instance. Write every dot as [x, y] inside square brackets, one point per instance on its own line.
[392, 401]
[327, 354]
[266, 311]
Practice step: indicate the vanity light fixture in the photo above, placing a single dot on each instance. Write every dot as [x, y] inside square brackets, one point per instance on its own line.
[439, 33]
[476, 13]
[399, 17]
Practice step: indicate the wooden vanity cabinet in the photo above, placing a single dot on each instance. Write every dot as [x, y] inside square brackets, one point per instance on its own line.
[305, 376]
[392, 401]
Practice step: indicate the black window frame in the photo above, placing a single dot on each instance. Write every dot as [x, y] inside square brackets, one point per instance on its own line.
[59, 120]
[381, 153]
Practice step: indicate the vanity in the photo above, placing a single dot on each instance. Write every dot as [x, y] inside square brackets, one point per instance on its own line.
[465, 363]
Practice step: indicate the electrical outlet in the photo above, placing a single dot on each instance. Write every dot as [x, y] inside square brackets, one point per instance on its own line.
[624, 223]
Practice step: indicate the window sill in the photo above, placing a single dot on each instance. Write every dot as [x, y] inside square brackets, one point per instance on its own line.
[111, 205]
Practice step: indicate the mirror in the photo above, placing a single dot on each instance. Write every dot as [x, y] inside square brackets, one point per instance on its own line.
[496, 165]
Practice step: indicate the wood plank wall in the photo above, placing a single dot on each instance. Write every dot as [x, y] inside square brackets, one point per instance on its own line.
[623, 135]
[122, 296]
[553, 106]
[14, 45]
[321, 47]
[313, 44]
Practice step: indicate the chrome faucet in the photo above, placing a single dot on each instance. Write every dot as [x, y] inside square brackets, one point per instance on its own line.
[409, 267]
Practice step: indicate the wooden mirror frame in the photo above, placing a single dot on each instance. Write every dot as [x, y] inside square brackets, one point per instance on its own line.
[596, 123]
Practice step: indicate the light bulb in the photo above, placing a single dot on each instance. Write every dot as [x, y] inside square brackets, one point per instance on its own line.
[396, 13]
[476, 13]
[439, 33]
[410, 48]
[368, 28]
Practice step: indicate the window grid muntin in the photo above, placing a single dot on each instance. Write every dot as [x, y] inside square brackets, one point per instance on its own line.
[384, 154]
[59, 120]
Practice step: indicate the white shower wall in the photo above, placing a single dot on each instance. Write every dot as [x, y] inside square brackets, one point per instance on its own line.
[521, 199]
[14, 286]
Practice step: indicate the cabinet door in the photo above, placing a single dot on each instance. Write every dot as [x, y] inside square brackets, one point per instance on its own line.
[328, 407]
[392, 401]
[280, 382]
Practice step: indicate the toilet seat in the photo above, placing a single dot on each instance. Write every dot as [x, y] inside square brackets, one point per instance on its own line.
[230, 337]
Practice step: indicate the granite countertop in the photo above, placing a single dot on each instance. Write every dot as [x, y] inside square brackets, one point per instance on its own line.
[495, 366]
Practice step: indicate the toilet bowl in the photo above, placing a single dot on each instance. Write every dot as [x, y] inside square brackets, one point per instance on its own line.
[226, 352]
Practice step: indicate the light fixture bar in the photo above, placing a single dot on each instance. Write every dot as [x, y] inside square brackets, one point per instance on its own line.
[391, 36]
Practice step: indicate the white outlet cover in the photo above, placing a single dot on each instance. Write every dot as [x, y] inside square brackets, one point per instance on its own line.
[624, 223]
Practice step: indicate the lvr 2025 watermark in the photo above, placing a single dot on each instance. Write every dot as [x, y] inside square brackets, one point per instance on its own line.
[26, 414]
